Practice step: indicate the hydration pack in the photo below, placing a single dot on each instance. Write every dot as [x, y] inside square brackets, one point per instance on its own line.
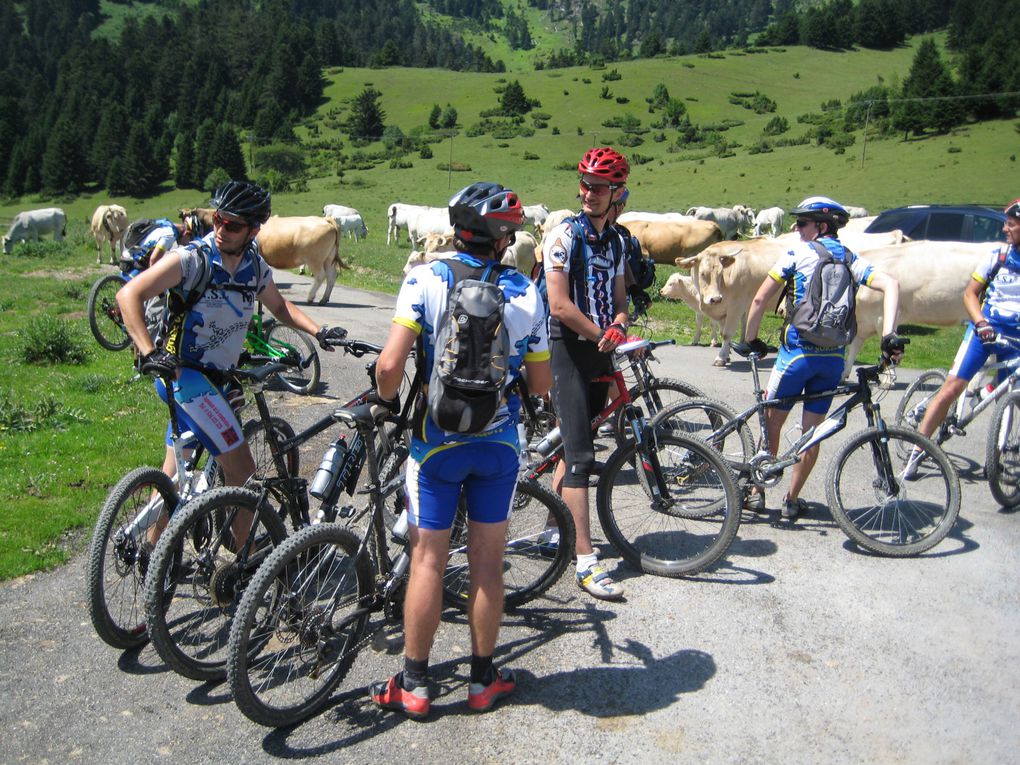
[472, 351]
[827, 317]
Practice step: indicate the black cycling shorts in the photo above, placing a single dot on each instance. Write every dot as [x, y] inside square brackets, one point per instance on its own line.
[577, 400]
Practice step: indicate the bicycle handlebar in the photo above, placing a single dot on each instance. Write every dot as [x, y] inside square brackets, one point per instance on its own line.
[356, 348]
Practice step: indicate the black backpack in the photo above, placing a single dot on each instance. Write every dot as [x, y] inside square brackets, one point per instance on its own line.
[641, 268]
[137, 231]
[827, 317]
[472, 351]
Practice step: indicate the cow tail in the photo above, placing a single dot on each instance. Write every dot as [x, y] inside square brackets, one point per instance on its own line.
[338, 233]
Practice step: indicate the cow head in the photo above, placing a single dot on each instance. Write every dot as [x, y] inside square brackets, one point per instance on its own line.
[8, 245]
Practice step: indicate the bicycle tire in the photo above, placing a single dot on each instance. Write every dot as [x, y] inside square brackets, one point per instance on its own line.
[662, 393]
[254, 434]
[1002, 451]
[694, 529]
[283, 665]
[118, 560]
[104, 313]
[530, 565]
[921, 512]
[914, 402]
[304, 378]
[701, 418]
[194, 585]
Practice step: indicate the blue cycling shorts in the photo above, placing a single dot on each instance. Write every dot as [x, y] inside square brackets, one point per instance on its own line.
[973, 355]
[204, 410]
[796, 372]
[487, 471]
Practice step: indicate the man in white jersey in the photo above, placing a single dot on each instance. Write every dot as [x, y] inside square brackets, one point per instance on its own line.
[992, 298]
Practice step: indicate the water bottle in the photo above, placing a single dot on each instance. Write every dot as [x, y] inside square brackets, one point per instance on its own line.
[548, 444]
[326, 476]
[987, 391]
[400, 527]
[522, 439]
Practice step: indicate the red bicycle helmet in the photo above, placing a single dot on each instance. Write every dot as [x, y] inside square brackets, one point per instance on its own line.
[605, 163]
[1013, 209]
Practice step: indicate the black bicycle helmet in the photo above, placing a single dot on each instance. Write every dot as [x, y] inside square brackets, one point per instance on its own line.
[193, 225]
[484, 212]
[822, 209]
[243, 200]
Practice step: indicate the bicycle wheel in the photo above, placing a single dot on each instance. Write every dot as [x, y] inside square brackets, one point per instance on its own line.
[104, 313]
[1002, 452]
[119, 555]
[661, 394]
[701, 418]
[914, 403]
[299, 626]
[255, 435]
[303, 378]
[196, 579]
[532, 560]
[689, 528]
[888, 504]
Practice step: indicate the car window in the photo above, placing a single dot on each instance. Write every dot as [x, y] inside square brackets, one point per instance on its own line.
[890, 221]
[987, 229]
[945, 226]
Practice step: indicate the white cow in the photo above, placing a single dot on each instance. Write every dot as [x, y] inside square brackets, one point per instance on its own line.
[350, 220]
[856, 212]
[398, 216]
[769, 221]
[636, 215]
[857, 224]
[535, 215]
[732, 220]
[27, 226]
[109, 222]
[683, 287]
[428, 220]
[521, 254]
[858, 241]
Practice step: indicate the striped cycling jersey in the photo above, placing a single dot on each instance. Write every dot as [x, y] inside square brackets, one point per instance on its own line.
[1001, 301]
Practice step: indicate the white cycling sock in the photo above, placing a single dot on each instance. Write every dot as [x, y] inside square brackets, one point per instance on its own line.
[585, 562]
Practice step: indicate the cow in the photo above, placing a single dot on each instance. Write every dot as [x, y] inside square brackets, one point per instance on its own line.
[350, 220]
[682, 287]
[555, 218]
[634, 215]
[665, 241]
[856, 212]
[521, 254]
[289, 242]
[858, 241]
[535, 215]
[429, 220]
[109, 222]
[400, 215]
[30, 224]
[857, 224]
[732, 220]
[769, 222]
[204, 214]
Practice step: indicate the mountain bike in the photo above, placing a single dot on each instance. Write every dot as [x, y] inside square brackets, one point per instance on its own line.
[891, 490]
[305, 614]
[667, 503]
[137, 509]
[213, 545]
[1002, 447]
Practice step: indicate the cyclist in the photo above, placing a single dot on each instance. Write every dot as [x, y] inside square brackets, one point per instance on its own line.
[485, 465]
[588, 319]
[207, 338]
[992, 298]
[801, 367]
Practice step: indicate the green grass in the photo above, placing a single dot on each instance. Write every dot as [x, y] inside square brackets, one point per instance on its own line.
[56, 477]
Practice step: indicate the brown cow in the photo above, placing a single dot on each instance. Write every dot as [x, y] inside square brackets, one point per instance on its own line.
[665, 241]
[109, 222]
[289, 242]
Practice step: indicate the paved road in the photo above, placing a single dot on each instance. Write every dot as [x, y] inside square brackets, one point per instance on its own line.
[798, 648]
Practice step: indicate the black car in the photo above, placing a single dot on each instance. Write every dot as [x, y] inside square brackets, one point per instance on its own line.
[953, 223]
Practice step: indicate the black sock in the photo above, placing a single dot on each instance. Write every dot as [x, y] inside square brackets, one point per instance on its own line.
[415, 673]
[481, 670]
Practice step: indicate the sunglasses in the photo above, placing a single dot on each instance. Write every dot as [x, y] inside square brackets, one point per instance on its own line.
[231, 226]
[597, 188]
[802, 223]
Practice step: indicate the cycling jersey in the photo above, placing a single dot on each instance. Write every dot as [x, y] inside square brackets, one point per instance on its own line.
[1001, 301]
[212, 333]
[420, 305]
[591, 289]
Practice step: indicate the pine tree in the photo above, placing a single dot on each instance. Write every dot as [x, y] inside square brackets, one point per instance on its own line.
[434, 116]
[513, 100]
[226, 153]
[367, 117]
[64, 167]
[928, 78]
[184, 162]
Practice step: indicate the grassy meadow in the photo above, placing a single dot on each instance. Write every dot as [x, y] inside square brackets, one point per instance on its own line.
[82, 419]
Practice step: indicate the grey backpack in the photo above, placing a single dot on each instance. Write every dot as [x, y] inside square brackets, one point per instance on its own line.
[827, 317]
[472, 351]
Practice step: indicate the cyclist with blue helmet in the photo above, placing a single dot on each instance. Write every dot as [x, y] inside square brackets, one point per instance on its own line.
[483, 465]
[992, 299]
[800, 366]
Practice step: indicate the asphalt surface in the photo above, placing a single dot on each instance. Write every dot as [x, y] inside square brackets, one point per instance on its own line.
[797, 647]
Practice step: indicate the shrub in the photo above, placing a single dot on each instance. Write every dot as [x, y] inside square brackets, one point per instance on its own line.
[529, 155]
[622, 100]
[49, 340]
[425, 153]
[47, 413]
[457, 167]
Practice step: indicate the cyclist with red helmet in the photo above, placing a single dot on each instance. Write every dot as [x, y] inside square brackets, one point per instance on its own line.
[584, 264]
[802, 367]
[483, 465]
[992, 298]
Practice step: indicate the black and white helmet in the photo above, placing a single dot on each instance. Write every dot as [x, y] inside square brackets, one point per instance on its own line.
[243, 200]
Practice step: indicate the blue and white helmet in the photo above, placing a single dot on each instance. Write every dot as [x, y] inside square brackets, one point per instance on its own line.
[822, 209]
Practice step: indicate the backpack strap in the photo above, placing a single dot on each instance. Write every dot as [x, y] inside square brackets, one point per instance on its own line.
[823, 256]
[999, 263]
